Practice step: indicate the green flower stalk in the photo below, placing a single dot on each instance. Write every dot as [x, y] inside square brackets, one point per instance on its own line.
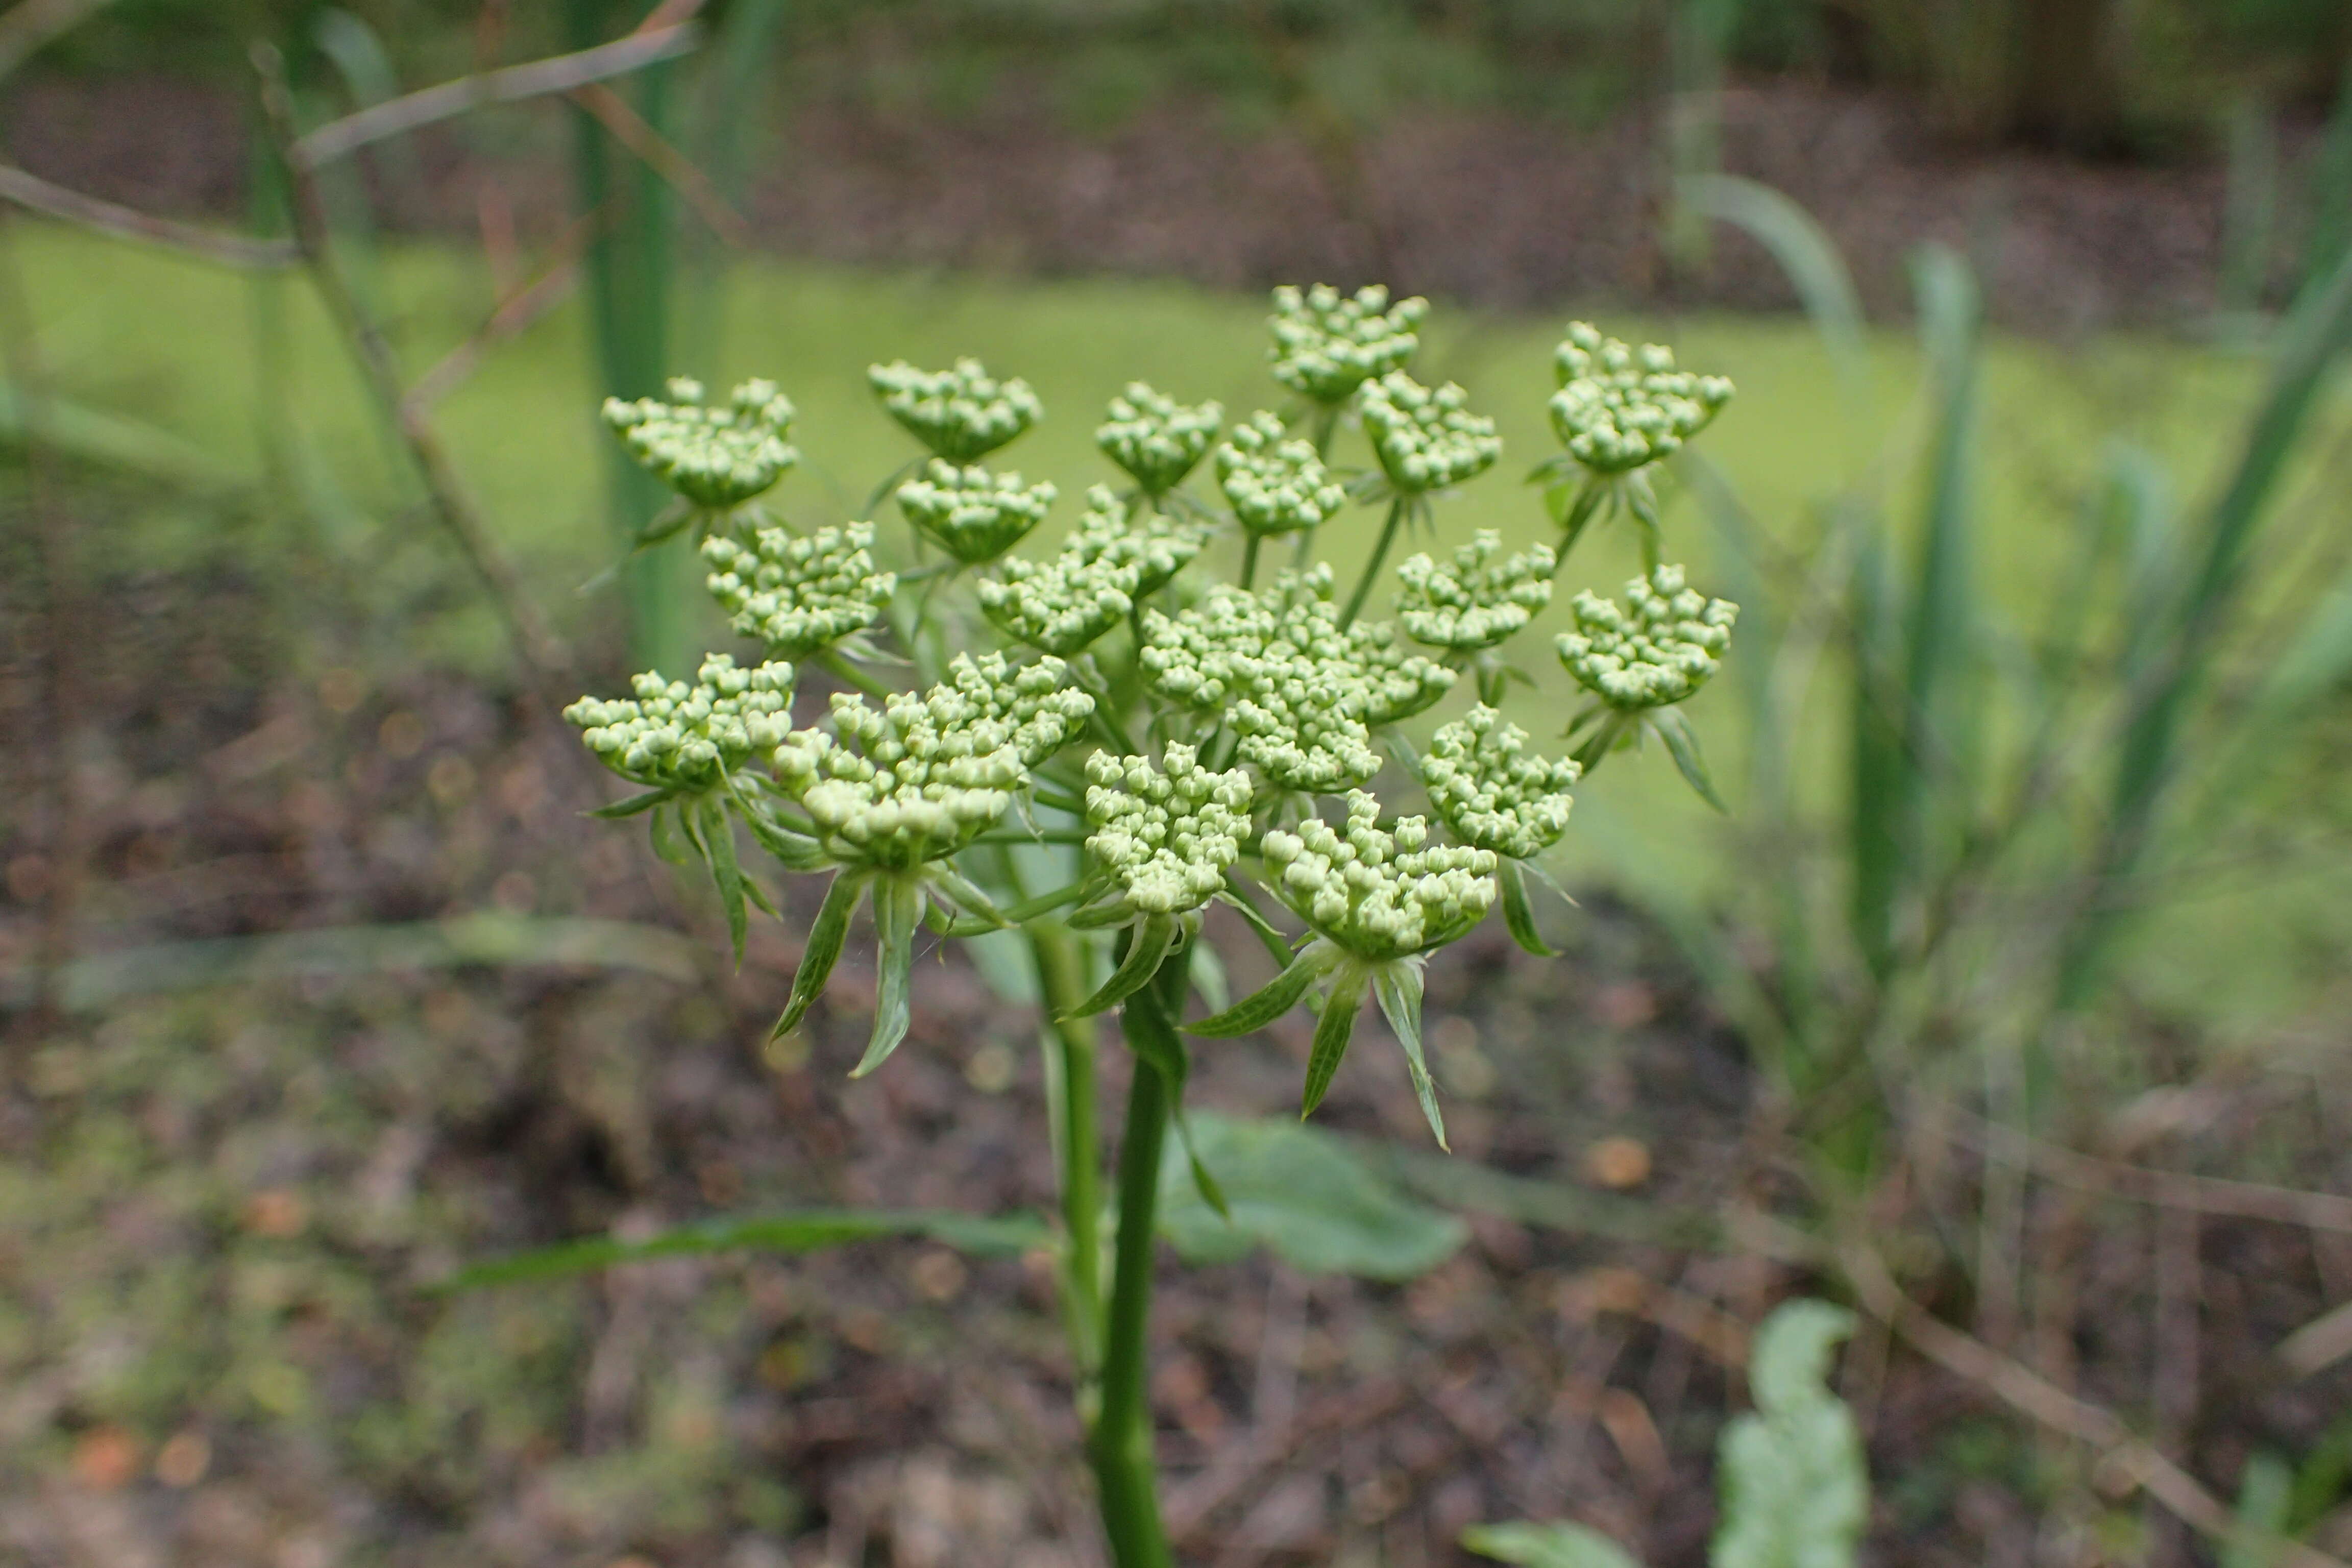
[1426, 438]
[800, 596]
[682, 739]
[1275, 483]
[1377, 902]
[1155, 438]
[962, 415]
[1657, 652]
[973, 514]
[716, 457]
[1475, 603]
[1621, 408]
[1327, 344]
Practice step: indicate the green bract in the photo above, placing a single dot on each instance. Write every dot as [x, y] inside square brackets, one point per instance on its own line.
[1620, 408]
[1426, 439]
[971, 513]
[1659, 653]
[1165, 838]
[962, 415]
[1475, 603]
[1275, 485]
[1155, 438]
[1375, 894]
[1489, 794]
[716, 457]
[1327, 344]
[673, 736]
[800, 596]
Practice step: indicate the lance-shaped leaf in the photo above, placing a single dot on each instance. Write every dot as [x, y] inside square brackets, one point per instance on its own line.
[1682, 744]
[1279, 995]
[715, 836]
[633, 806]
[1545, 1546]
[1398, 985]
[823, 950]
[1154, 937]
[1332, 1032]
[897, 911]
[1518, 911]
[984, 1235]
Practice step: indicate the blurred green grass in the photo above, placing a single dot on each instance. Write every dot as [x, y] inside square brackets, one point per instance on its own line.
[171, 344]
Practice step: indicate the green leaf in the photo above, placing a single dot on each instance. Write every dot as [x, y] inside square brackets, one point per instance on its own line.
[717, 835]
[666, 828]
[1147, 945]
[1809, 258]
[1270, 1002]
[1398, 986]
[823, 950]
[1796, 1493]
[2266, 1495]
[1332, 1032]
[1270, 936]
[1682, 744]
[807, 1231]
[897, 911]
[633, 806]
[1546, 1546]
[1302, 1195]
[1518, 911]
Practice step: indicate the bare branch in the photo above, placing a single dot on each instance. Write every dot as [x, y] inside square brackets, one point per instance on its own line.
[517, 309]
[674, 168]
[32, 192]
[557, 74]
[33, 23]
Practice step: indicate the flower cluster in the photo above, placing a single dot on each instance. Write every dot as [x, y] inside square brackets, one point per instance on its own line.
[1062, 604]
[962, 415]
[1658, 653]
[973, 514]
[1378, 895]
[1274, 483]
[918, 778]
[718, 456]
[1621, 408]
[1036, 701]
[673, 736]
[1166, 838]
[800, 596]
[1155, 438]
[1489, 793]
[1327, 344]
[1426, 439]
[1476, 602]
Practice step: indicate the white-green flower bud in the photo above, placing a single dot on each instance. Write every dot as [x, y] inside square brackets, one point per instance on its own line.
[1275, 485]
[716, 457]
[1155, 438]
[1166, 838]
[800, 596]
[1036, 701]
[1156, 544]
[688, 738]
[962, 415]
[1327, 344]
[1378, 895]
[1621, 408]
[973, 514]
[1659, 652]
[1489, 793]
[1476, 602]
[1426, 438]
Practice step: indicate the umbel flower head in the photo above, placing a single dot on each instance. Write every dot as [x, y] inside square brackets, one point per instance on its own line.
[1475, 602]
[1326, 343]
[1155, 438]
[1165, 837]
[685, 739]
[717, 457]
[1657, 651]
[800, 596]
[1489, 793]
[1378, 894]
[1426, 439]
[971, 513]
[962, 415]
[1061, 606]
[1621, 408]
[1157, 545]
[1036, 701]
[1274, 483]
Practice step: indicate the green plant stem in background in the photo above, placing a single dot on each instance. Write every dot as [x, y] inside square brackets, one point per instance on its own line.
[1379, 554]
[1061, 986]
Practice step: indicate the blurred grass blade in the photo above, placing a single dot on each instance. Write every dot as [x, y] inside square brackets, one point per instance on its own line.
[1807, 257]
[1546, 1546]
[1943, 631]
[111, 441]
[1002, 1236]
[493, 939]
[2265, 1492]
[359, 56]
[1878, 838]
[2249, 204]
[2330, 204]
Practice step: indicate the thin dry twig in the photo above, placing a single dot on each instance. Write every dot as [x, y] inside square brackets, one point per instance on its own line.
[2319, 1344]
[37, 195]
[540, 79]
[516, 310]
[674, 168]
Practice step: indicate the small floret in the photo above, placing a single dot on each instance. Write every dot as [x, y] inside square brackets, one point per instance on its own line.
[1165, 836]
[962, 415]
[718, 456]
[1378, 894]
[1657, 652]
[800, 596]
[1620, 408]
[973, 514]
[1489, 793]
[687, 739]
[1475, 602]
[1327, 344]
[1155, 438]
[1275, 483]
[1426, 438]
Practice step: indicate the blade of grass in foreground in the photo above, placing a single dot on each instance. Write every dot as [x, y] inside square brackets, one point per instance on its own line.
[807, 1231]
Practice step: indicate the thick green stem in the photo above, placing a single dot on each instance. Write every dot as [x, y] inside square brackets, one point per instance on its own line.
[1372, 567]
[1249, 561]
[832, 661]
[1061, 985]
[1120, 1444]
